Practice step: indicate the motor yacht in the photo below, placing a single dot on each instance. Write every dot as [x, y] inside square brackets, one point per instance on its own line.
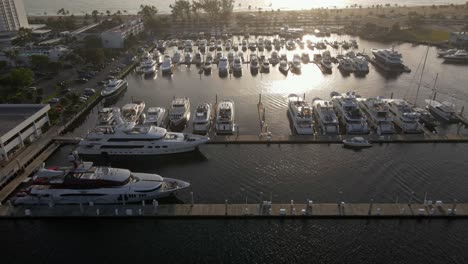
[389, 60]
[291, 45]
[106, 115]
[132, 112]
[305, 57]
[283, 67]
[317, 57]
[223, 67]
[166, 66]
[427, 119]
[444, 110]
[202, 45]
[176, 58]
[230, 57]
[378, 115]
[202, 119]
[404, 116]
[349, 113]
[265, 67]
[254, 64]
[244, 44]
[345, 65]
[129, 140]
[443, 53]
[84, 183]
[325, 116]
[219, 45]
[225, 117]
[360, 65]
[301, 115]
[296, 64]
[274, 58]
[461, 56]
[252, 45]
[197, 59]
[148, 66]
[188, 58]
[326, 61]
[179, 113]
[155, 116]
[237, 66]
[207, 67]
[114, 87]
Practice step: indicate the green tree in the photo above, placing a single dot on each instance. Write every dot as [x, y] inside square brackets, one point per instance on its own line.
[21, 77]
[23, 36]
[55, 66]
[95, 15]
[181, 8]
[12, 55]
[39, 61]
[148, 13]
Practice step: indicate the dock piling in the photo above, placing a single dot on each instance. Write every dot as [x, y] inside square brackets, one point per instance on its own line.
[191, 198]
[226, 207]
[370, 207]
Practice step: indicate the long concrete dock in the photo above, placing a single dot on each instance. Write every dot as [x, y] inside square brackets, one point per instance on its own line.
[326, 210]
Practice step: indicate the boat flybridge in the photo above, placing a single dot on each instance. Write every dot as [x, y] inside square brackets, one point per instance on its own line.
[444, 110]
[114, 87]
[106, 115]
[128, 139]
[225, 117]
[326, 116]
[404, 116]
[132, 112]
[84, 183]
[349, 113]
[389, 60]
[202, 118]
[301, 115]
[379, 115]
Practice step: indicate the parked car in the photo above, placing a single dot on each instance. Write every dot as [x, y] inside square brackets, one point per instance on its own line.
[81, 80]
[54, 100]
[89, 91]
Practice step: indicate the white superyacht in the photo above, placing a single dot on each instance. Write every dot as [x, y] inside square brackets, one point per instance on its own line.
[128, 139]
[84, 183]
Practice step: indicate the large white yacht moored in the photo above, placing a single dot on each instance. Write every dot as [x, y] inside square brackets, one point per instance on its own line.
[155, 116]
[349, 113]
[326, 116]
[129, 139]
[179, 113]
[202, 119]
[301, 115]
[148, 66]
[114, 87]
[389, 60]
[404, 116]
[106, 115]
[444, 110]
[379, 115]
[84, 183]
[225, 117]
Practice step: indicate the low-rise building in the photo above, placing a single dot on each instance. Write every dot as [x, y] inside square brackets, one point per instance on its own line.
[54, 53]
[20, 124]
[115, 38]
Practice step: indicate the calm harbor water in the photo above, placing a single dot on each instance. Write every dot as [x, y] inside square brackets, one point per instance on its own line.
[387, 173]
[234, 241]
[38, 7]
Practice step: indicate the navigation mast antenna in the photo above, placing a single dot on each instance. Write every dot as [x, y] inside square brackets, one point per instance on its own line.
[420, 78]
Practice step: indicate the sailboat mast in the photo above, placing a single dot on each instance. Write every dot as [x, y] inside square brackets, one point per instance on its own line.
[420, 78]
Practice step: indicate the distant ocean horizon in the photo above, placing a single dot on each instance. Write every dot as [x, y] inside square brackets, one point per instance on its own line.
[80, 7]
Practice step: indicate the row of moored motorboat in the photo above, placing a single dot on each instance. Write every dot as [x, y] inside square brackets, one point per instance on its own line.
[355, 115]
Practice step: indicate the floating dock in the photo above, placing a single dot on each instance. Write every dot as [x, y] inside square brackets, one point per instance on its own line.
[265, 210]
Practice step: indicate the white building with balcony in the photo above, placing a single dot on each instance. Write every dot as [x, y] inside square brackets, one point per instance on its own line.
[20, 124]
[12, 15]
[114, 38]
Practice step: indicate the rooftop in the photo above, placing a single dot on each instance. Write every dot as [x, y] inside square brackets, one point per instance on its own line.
[12, 115]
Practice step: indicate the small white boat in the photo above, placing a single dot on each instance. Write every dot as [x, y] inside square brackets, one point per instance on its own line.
[284, 67]
[155, 116]
[176, 58]
[357, 142]
[202, 119]
[254, 64]
[265, 67]
[223, 67]
[237, 66]
[188, 58]
[114, 87]
[207, 67]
